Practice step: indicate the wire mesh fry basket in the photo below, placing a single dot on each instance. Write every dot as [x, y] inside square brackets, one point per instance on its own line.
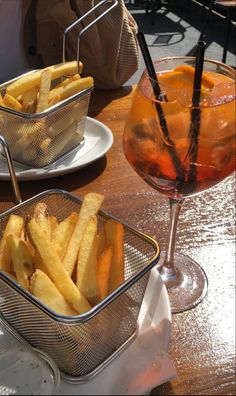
[38, 139]
[80, 345]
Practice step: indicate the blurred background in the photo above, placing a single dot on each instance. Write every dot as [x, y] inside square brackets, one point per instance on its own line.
[173, 27]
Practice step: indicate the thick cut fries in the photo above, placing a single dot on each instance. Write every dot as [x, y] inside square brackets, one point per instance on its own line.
[44, 88]
[57, 272]
[71, 89]
[114, 232]
[41, 217]
[21, 259]
[87, 263]
[103, 272]
[45, 290]
[62, 234]
[10, 101]
[14, 226]
[35, 252]
[90, 206]
[32, 80]
[29, 100]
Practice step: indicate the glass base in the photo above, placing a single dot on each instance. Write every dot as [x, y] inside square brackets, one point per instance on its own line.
[187, 287]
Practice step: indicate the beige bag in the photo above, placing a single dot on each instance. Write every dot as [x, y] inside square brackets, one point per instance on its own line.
[108, 50]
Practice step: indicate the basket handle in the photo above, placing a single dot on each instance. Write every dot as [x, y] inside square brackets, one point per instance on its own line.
[113, 4]
[10, 165]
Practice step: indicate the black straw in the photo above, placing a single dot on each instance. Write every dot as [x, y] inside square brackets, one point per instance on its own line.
[160, 97]
[149, 66]
[196, 112]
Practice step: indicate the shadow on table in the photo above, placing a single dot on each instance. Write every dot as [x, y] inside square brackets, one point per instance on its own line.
[68, 182]
[101, 98]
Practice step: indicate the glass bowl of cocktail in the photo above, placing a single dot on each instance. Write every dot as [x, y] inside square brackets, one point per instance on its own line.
[181, 149]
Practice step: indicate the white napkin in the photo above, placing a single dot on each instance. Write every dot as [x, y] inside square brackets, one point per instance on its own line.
[146, 363]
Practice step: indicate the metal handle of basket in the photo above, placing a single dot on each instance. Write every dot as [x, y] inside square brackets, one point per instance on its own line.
[10, 165]
[113, 4]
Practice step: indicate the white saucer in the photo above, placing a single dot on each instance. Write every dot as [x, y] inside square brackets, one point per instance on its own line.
[98, 140]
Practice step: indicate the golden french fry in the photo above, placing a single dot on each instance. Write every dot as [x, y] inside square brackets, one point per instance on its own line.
[68, 80]
[32, 80]
[27, 252]
[62, 234]
[12, 103]
[45, 85]
[14, 226]
[41, 217]
[53, 101]
[72, 88]
[21, 259]
[114, 232]
[26, 138]
[102, 243]
[103, 272]
[29, 100]
[1, 100]
[87, 263]
[56, 269]
[90, 206]
[39, 264]
[53, 223]
[75, 113]
[45, 290]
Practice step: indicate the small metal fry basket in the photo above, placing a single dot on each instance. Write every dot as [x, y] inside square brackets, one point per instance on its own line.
[39, 139]
[80, 345]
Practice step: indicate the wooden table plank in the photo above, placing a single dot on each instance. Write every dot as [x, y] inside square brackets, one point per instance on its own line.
[203, 339]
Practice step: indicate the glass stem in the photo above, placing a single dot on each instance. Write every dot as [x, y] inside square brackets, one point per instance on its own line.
[168, 271]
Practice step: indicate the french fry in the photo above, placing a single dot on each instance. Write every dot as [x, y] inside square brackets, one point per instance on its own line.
[114, 232]
[1, 100]
[41, 217]
[39, 264]
[71, 89]
[53, 223]
[45, 85]
[62, 234]
[29, 100]
[87, 263]
[74, 115]
[45, 290]
[11, 102]
[26, 83]
[56, 269]
[68, 80]
[90, 206]
[21, 259]
[14, 226]
[103, 271]
[25, 139]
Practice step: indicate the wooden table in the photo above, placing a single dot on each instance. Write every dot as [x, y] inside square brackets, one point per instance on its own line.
[203, 343]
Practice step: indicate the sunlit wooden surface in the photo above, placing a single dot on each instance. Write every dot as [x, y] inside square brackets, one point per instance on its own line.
[203, 339]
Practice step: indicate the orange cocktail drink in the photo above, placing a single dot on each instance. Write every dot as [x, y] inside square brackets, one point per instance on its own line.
[148, 149]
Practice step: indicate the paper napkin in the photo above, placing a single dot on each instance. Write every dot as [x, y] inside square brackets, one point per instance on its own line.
[146, 363]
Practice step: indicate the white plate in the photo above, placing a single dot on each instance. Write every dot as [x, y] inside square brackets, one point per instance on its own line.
[98, 140]
[123, 372]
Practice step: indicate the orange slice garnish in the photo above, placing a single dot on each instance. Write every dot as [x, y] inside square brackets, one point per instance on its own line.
[207, 82]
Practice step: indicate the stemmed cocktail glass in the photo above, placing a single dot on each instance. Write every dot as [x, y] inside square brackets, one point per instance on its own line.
[181, 149]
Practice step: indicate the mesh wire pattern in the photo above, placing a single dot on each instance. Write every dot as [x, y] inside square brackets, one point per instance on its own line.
[82, 345]
[37, 140]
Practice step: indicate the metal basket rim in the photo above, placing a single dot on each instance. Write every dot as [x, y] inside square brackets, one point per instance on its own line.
[74, 320]
[45, 113]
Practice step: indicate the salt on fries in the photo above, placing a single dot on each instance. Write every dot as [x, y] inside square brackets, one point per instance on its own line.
[69, 265]
[35, 92]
